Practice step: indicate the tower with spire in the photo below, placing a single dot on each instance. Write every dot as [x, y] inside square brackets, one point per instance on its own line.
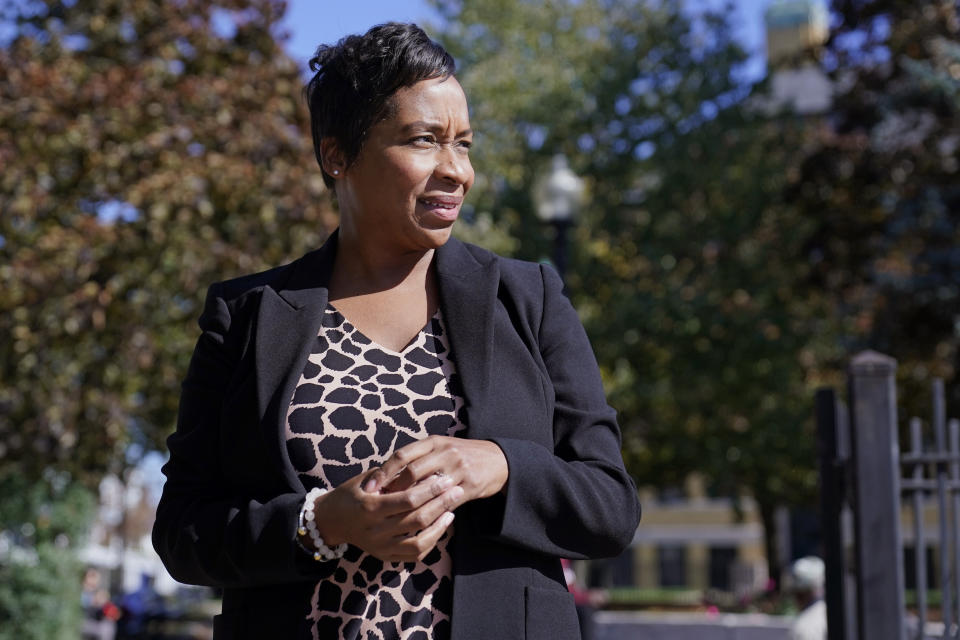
[793, 29]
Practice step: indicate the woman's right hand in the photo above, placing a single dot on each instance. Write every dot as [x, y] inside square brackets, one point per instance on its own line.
[401, 526]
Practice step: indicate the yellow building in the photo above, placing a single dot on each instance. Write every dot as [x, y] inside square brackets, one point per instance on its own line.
[699, 542]
[687, 539]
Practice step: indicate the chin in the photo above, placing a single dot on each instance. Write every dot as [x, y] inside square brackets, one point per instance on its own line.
[438, 237]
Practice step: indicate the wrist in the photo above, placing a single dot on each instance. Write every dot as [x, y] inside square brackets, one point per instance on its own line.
[330, 534]
[309, 535]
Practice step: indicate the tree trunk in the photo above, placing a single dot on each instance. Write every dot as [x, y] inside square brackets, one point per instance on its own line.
[768, 517]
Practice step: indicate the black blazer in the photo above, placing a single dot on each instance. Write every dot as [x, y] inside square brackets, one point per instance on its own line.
[227, 517]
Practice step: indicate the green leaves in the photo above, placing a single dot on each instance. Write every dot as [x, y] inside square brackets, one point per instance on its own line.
[42, 524]
[148, 150]
[880, 189]
[688, 266]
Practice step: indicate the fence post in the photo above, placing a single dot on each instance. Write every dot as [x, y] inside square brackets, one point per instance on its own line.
[876, 455]
[832, 492]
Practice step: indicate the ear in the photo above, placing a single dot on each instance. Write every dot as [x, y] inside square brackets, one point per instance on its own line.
[333, 160]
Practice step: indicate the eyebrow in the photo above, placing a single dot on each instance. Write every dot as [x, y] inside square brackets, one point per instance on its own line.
[433, 126]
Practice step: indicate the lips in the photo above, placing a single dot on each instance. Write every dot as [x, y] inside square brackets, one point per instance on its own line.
[444, 202]
[443, 206]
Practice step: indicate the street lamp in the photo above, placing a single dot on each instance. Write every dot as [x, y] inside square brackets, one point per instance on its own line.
[557, 197]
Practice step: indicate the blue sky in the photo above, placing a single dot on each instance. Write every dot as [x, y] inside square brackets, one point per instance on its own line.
[312, 22]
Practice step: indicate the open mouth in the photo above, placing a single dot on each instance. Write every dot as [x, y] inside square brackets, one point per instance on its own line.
[443, 207]
[440, 203]
[433, 204]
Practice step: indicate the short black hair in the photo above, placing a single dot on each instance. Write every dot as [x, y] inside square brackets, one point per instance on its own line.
[355, 79]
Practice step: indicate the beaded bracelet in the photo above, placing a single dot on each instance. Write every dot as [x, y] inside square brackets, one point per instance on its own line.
[306, 525]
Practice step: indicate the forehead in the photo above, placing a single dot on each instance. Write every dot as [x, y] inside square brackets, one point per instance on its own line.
[436, 99]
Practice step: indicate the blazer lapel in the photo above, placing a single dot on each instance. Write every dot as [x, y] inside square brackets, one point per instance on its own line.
[468, 292]
[289, 320]
[287, 325]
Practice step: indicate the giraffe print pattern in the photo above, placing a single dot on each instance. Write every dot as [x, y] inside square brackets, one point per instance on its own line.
[356, 403]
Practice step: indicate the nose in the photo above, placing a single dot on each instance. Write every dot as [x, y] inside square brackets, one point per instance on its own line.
[453, 165]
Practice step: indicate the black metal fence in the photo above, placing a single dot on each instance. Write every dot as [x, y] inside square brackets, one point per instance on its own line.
[874, 499]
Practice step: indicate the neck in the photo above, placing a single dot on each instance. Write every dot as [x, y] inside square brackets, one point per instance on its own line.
[362, 267]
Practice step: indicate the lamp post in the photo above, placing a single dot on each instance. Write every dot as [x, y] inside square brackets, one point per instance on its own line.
[557, 197]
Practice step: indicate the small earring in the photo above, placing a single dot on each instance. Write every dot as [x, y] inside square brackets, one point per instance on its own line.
[336, 172]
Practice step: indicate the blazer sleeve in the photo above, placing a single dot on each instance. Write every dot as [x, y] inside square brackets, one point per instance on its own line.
[207, 531]
[576, 501]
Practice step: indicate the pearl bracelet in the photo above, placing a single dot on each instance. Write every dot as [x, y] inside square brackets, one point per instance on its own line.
[306, 525]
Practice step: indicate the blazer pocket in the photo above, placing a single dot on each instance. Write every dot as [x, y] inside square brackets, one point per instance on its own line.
[550, 615]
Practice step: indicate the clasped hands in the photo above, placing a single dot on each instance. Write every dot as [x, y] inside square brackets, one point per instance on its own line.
[398, 511]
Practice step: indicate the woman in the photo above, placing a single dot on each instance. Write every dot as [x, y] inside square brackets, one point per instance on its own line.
[403, 378]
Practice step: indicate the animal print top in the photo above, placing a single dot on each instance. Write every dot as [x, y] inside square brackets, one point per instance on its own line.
[357, 402]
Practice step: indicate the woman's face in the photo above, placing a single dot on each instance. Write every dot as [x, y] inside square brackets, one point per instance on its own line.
[406, 187]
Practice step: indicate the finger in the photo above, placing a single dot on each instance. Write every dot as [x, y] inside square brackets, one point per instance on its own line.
[411, 522]
[403, 457]
[400, 482]
[427, 539]
[433, 463]
[449, 456]
[372, 480]
[412, 548]
[413, 497]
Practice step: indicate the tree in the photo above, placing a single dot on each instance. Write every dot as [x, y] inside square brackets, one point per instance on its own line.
[148, 150]
[880, 186]
[689, 269]
[39, 575]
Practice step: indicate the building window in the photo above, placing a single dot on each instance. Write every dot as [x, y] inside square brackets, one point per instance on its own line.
[671, 494]
[721, 562]
[673, 566]
[623, 569]
[612, 572]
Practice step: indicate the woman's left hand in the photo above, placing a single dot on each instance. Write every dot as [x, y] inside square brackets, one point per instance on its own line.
[477, 466]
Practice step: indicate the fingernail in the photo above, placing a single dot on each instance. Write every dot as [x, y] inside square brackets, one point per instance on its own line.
[456, 493]
[447, 518]
[370, 486]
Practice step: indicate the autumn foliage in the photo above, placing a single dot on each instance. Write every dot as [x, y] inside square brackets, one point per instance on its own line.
[147, 150]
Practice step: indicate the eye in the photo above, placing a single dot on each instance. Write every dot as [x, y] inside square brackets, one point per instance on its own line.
[423, 140]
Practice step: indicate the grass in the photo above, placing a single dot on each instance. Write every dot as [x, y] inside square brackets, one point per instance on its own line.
[663, 597]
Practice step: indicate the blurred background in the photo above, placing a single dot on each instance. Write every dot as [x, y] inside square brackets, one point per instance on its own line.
[740, 196]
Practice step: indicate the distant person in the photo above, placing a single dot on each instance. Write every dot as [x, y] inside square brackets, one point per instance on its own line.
[340, 409]
[807, 578]
[99, 614]
[139, 609]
